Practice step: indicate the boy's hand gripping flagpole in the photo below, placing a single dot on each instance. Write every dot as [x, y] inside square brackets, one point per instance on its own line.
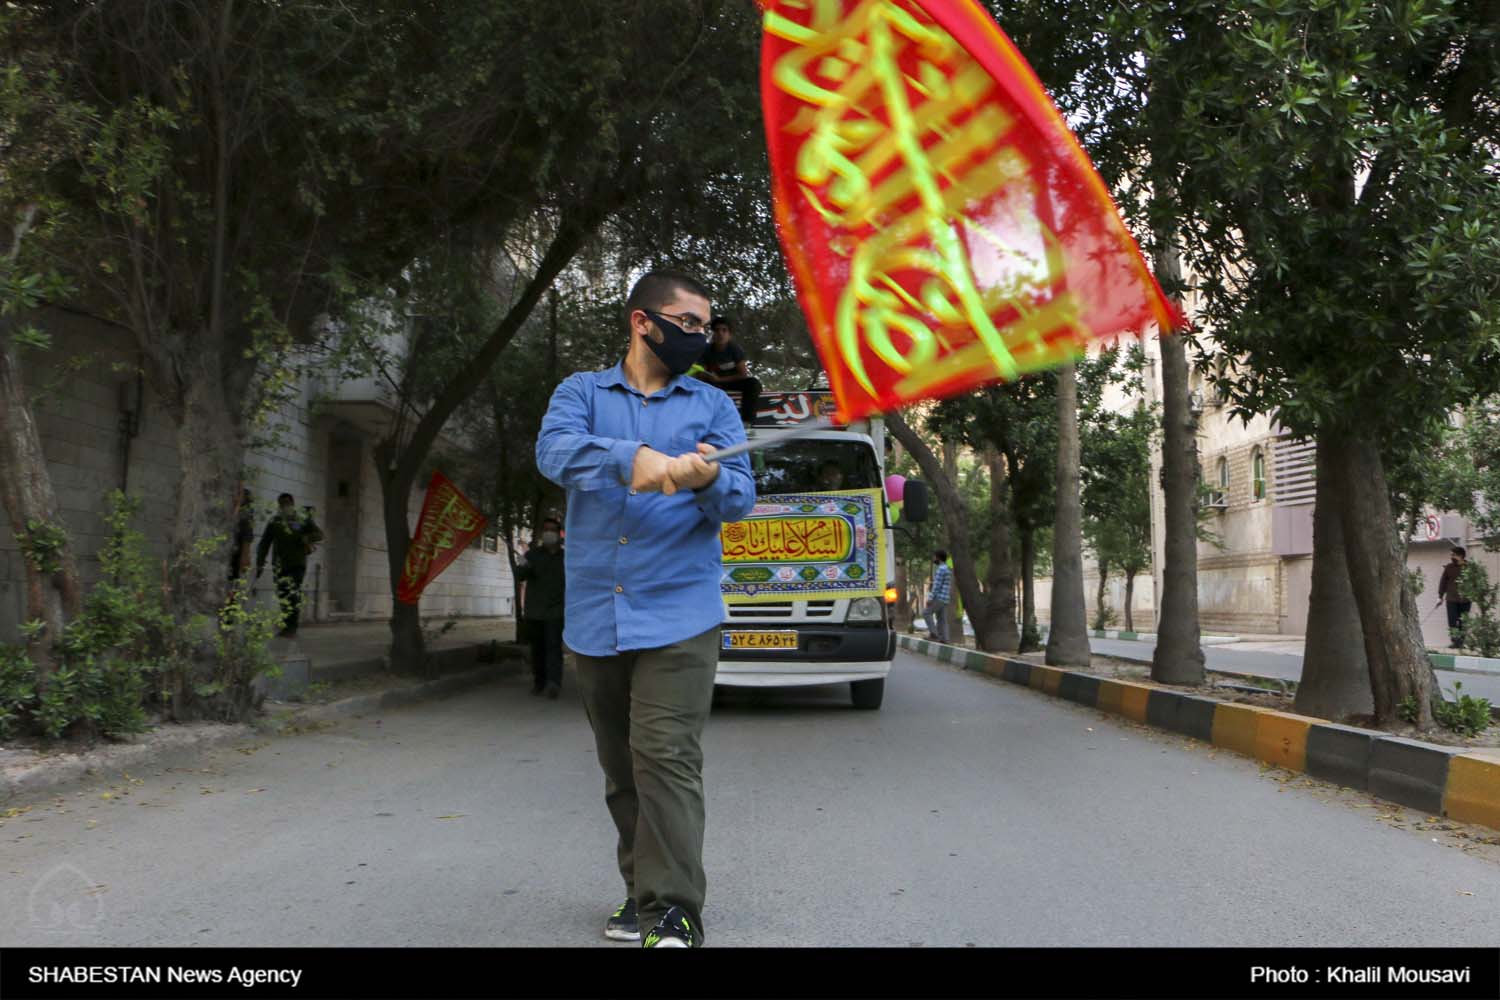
[773, 438]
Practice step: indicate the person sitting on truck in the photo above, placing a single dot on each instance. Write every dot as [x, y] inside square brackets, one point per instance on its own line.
[724, 365]
[830, 476]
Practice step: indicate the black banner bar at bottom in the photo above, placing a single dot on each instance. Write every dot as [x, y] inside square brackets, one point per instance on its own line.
[964, 973]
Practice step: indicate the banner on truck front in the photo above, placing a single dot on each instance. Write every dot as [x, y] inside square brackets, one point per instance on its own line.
[806, 546]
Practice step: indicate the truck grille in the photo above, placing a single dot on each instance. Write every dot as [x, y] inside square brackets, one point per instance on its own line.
[814, 609]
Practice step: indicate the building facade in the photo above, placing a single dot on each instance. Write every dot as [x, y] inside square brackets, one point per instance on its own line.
[102, 429]
[1255, 571]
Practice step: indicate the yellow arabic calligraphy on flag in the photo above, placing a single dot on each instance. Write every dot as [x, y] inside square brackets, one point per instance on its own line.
[944, 227]
[449, 522]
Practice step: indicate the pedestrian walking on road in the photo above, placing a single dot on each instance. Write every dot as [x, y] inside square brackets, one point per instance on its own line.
[643, 605]
[289, 537]
[541, 568]
[939, 597]
[1449, 593]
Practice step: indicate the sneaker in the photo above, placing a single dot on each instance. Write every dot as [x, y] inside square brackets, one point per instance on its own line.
[673, 930]
[624, 924]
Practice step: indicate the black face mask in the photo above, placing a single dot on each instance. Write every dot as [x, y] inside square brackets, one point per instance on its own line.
[678, 349]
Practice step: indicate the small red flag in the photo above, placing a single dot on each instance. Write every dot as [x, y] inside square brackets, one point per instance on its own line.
[449, 522]
[943, 226]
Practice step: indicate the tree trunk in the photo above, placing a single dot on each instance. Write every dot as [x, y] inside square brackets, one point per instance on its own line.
[1399, 667]
[401, 456]
[1178, 658]
[1099, 618]
[996, 623]
[1335, 680]
[1031, 636]
[1130, 598]
[965, 576]
[211, 451]
[1068, 641]
[52, 594]
[408, 649]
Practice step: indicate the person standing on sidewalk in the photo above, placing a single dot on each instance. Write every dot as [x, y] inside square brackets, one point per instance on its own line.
[1448, 590]
[939, 597]
[289, 537]
[542, 570]
[643, 606]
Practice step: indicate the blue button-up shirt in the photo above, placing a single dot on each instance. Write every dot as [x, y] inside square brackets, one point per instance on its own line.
[942, 585]
[642, 568]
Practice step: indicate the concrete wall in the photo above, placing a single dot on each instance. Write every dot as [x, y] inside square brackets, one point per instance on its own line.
[78, 388]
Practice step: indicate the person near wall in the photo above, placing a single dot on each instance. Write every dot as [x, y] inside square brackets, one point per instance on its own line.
[244, 537]
[541, 568]
[1450, 593]
[724, 364]
[644, 512]
[939, 597]
[289, 537]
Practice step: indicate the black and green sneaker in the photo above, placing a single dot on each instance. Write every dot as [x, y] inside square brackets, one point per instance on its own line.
[673, 930]
[624, 924]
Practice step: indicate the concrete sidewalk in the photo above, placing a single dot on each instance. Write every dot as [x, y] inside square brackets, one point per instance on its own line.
[1279, 659]
[333, 646]
[340, 651]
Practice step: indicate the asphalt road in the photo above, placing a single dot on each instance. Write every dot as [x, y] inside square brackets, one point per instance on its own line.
[966, 811]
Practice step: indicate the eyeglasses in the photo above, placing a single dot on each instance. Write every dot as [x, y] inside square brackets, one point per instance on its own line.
[688, 322]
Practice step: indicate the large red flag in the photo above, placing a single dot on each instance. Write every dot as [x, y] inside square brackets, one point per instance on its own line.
[449, 522]
[944, 228]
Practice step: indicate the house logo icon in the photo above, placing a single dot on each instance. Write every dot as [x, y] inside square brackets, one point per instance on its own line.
[65, 899]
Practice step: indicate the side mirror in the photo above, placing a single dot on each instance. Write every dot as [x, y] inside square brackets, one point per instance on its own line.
[914, 509]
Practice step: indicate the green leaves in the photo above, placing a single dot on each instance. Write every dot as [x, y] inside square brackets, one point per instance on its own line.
[1340, 218]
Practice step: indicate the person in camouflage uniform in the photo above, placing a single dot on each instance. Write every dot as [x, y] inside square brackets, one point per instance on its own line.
[289, 537]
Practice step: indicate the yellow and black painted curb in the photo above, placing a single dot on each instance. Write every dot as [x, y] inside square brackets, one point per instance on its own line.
[1439, 780]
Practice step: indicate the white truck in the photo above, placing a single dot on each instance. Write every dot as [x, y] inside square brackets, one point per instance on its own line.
[823, 638]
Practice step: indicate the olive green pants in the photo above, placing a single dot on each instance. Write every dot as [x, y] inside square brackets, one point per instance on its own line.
[648, 708]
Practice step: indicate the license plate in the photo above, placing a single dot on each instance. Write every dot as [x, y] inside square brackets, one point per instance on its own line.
[760, 640]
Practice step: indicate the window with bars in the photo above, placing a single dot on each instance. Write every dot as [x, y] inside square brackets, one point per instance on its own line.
[1219, 498]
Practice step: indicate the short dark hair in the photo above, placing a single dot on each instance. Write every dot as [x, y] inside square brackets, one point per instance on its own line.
[655, 288]
[286, 496]
[552, 521]
[1460, 551]
[719, 321]
[941, 555]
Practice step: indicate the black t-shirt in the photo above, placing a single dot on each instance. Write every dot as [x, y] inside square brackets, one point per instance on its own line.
[724, 363]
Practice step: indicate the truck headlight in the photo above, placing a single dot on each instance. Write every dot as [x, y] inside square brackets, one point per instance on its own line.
[865, 609]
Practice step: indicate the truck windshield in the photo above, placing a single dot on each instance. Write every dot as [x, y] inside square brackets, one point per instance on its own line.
[813, 466]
